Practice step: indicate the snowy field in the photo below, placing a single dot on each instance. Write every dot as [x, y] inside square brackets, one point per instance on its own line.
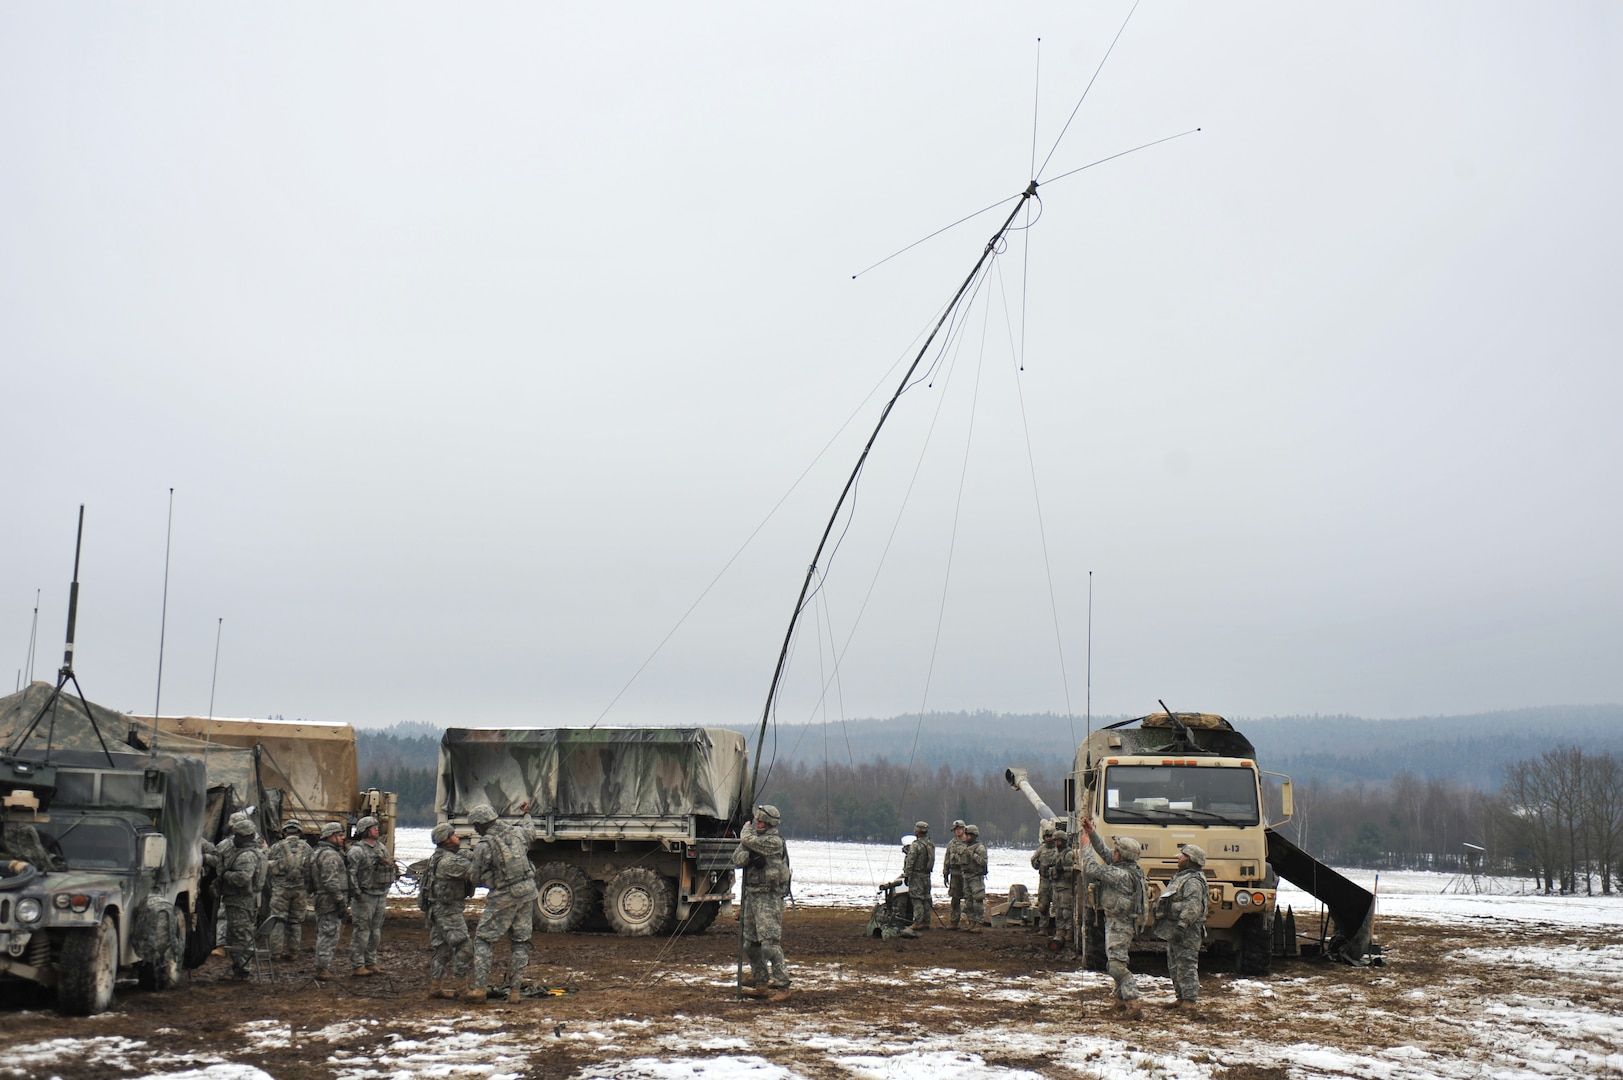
[1507, 986]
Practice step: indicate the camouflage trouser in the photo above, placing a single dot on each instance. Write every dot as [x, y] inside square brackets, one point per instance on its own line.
[955, 893]
[1183, 962]
[1064, 902]
[327, 924]
[508, 913]
[1118, 940]
[975, 898]
[453, 948]
[761, 919]
[241, 912]
[290, 904]
[1045, 899]
[918, 889]
[366, 930]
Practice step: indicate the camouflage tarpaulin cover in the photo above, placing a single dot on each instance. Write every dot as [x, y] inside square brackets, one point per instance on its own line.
[643, 772]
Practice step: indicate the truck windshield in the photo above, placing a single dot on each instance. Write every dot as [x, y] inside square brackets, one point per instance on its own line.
[1199, 794]
[91, 844]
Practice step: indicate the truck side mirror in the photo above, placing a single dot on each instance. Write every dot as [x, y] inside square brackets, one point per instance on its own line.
[154, 849]
[1287, 805]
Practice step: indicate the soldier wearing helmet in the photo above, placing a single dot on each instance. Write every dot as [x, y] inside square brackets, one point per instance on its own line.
[952, 873]
[1042, 861]
[1185, 914]
[242, 870]
[974, 872]
[372, 869]
[289, 860]
[502, 862]
[765, 861]
[444, 892]
[916, 870]
[1123, 897]
[1064, 880]
[329, 894]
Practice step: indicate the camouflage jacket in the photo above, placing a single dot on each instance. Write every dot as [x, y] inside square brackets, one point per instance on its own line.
[290, 863]
[502, 859]
[371, 868]
[1185, 898]
[448, 882]
[953, 856]
[974, 863]
[1042, 861]
[241, 869]
[765, 859]
[1122, 890]
[920, 858]
[329, 879]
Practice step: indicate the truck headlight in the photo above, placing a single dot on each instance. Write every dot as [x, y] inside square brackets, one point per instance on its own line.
[1243, 899]
[28, 910]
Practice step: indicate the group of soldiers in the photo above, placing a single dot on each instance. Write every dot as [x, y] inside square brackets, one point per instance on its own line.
[339, 877]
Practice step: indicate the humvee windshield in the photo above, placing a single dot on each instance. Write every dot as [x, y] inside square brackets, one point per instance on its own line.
[90, 843]
[1197, 794]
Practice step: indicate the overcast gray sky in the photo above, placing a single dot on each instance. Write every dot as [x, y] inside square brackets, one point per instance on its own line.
[475, 341]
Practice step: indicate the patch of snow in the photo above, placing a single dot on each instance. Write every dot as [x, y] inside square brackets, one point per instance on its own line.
[930, 1065]
[718, 1068]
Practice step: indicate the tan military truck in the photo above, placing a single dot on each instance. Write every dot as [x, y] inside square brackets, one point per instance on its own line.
[633, 825]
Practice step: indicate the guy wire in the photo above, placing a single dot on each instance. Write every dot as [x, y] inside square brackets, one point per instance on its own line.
[1087, 88]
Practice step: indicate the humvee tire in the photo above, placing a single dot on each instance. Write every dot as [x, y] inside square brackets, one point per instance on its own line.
[639, 902]
[87, 969]
[565, 897]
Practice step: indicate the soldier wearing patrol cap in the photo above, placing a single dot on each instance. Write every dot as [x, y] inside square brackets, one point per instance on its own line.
[974, 873]
[765, 861]
[1185, 903]
[952, 873]
[1123, 896]
[445, 889]
[916, 870]
[329, 894]
[372, 870]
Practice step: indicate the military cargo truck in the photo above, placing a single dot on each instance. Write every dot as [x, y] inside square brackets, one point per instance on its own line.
[100, 855]
[633, 825]
[1179, 778]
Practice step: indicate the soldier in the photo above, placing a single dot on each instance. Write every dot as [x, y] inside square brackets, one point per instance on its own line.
[1184, 903]
[951, 876]
[372, 871]
[765, 859]
[241, 868]
[445, 890]
[231, 824]
[502, 862]
[289, 860]
[916, 871]
[1042, 861]
[331, 890]
[1122, 898]
[1064, 883]
[974, 864]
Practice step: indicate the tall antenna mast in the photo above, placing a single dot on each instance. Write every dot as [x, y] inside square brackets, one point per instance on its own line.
[163, 618]
[1089, 698]
[33, 638]
[219, 628]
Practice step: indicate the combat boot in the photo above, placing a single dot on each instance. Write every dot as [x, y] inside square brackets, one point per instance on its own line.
[361, 973]
[322, 975]
[514, 994]
[436, 987]
[748, 979]
[1134, 1010]
[756, 991]
[1186, 1006]
[780, 994]
[972, 929]
[474, 996]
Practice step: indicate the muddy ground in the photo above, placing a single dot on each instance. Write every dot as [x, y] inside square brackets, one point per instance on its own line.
[1000, 995]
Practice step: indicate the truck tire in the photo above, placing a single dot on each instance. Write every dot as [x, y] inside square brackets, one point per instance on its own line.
[1255, 954]
[87, 969]
[565, 897]
[639, 902]
[164, 972]
[700, 916]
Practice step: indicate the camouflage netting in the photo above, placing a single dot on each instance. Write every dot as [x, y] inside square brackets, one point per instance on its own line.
[643, 772]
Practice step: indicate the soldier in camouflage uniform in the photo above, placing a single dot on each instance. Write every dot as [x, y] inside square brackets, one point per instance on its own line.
[241, 869]
[330, 892]
[289, 860]
[502, 862]
[974, 874]
[1123, 899]
[446, 886]
[951, 861]
[765, 859]
[916, 870]
[1042, 861]
[1064, 883]
[372, 871]
[1184, 906]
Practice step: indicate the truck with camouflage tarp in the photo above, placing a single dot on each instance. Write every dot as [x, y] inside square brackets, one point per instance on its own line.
[1175, 778]
[100, 854]
[633, 825]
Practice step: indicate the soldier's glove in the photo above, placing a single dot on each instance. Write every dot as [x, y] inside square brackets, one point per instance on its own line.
[17, 866]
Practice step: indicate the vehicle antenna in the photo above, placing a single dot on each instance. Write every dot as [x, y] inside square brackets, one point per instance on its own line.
[1088, 698]
[163, 618]
[33, 638]
[219, 628]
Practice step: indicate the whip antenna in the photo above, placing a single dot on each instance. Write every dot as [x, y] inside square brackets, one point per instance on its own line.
[163, 618]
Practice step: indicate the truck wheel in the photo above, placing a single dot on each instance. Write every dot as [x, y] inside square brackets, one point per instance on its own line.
[87, 969]
[164, 972]
[565, 897]
[639, 902]
[700, 916]
[1256, 951]
[1094, 948]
